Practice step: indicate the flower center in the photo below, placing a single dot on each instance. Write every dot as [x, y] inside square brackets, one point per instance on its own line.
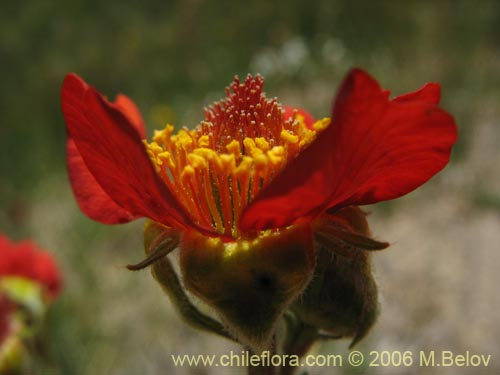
[218, 168]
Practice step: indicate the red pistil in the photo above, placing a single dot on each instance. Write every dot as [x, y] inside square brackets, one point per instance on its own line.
[245, 113]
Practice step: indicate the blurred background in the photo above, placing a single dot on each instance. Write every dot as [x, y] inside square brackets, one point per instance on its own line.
[438, 280]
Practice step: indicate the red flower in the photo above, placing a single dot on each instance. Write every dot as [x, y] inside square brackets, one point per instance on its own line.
[251, 165]
[265, 178]
[25, 259]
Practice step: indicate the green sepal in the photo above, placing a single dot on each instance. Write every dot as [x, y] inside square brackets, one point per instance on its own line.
[342, 298]
[350, 239]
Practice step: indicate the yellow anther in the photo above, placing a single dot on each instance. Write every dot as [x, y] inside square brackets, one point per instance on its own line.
[166, 158]
[234, 148]
[262, 143]
[162, 136]
[251, 148]
[276, 155]
[215, 159]
[155, 148]
[157, 161]
[206, 153]
[289, 137]
[228, 162]
[261, 162]
[210, 155]
[197, 161]
[217, 163]
[204, 141]
[158, 136]
[307, 137]
[249, 144]
[321, 124]
[187, 173]
[244, 167]
[148, 149]
[183, 140]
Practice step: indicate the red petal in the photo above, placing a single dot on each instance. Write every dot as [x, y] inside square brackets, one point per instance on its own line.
[94, 201]
[112, 150]
[374, 150]
[308, 118]
[128, 108]
[430, 92]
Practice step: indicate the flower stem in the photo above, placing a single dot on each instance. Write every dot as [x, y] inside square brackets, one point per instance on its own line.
[300, 338]
[262, 369]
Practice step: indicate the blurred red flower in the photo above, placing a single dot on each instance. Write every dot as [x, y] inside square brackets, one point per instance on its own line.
[25, 259]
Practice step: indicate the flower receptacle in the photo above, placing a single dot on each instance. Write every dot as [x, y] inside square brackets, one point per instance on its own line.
[249, 283]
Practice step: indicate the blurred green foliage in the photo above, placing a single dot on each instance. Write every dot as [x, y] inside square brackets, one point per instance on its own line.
[174, 57]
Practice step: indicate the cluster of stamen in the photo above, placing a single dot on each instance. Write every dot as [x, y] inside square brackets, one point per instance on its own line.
[216, 169]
